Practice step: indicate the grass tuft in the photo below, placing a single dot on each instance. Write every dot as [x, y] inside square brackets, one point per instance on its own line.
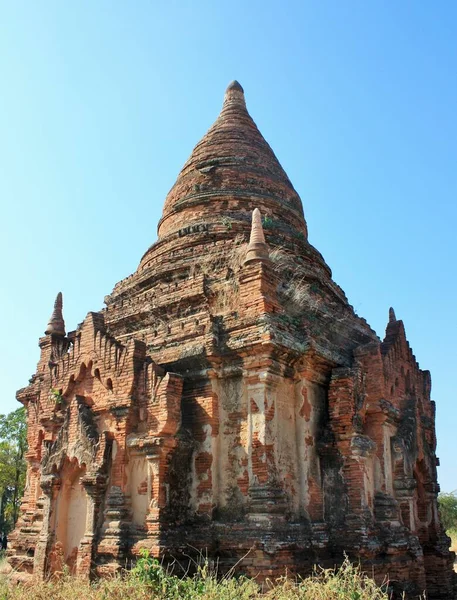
[150, 580]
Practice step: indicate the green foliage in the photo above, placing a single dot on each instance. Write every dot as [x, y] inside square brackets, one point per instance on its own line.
[268, 222]
[301, 236]
[203, 584]
[148, 570]
[150, 580]
[13, 427]
[57, 396]
[13, 445]
[448, 509]
[227, 222]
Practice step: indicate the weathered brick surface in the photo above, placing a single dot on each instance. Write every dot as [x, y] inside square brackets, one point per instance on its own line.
[229, 399]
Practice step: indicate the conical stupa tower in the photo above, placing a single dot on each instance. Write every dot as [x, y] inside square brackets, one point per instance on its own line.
[203, 235]
[229, 401]
[231, 170]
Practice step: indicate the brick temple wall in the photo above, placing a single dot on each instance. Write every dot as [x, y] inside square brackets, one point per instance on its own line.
[228, 399]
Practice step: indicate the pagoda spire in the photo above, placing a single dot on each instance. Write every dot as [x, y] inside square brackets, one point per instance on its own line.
[234, 164]
[56, 325]
[234, 95]
[257, 248]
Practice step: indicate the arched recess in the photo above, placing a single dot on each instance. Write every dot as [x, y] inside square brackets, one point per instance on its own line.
[139, 484]
[69, 516]
[74, 495]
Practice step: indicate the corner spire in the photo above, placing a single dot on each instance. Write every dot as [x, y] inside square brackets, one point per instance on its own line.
[394, 330]
[56, 325]
[257, 248]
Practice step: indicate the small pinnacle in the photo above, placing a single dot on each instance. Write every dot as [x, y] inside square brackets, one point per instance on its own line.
[257, 248]
[257, 235]
[392, 317]
[56, 325]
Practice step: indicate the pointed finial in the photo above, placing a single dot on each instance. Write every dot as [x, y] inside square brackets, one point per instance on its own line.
[234, 94]
[56, 325]
[392, 317]
[257, 235]
[257, 248]
[235, 85]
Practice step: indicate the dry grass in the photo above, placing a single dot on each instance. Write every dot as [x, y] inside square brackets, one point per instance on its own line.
[150, 581]
[215, 261]
[5, 569]
[296, 289]
[69, 588]
[226, 290]
[345, 583]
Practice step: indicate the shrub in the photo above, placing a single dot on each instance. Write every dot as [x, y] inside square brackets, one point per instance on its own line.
[150, 580]
[203, 584]
[448, 509]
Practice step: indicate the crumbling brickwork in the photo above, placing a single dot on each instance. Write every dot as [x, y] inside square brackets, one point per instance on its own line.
[228, 399]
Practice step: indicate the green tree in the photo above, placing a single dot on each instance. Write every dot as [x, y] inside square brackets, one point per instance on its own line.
[13, 446]
[448, 509]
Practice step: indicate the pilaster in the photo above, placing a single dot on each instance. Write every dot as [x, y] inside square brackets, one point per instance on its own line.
[50, 485]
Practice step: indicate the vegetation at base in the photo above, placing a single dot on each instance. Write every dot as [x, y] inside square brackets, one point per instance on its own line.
[448, 510]
[452, 533]
[13, 446]
[149, 580]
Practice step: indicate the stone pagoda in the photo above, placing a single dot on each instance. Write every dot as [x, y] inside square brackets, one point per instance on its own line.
[228, 399]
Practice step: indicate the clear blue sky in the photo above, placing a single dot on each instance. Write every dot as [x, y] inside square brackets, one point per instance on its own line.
[101, 103]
